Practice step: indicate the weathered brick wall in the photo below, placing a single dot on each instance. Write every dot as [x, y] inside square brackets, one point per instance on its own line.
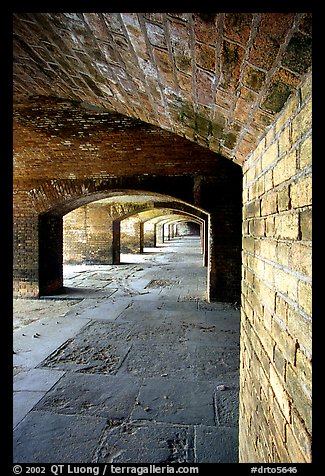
[88, 235]
[275, 369]
[149, 237]
[66, 156]
[131, 237]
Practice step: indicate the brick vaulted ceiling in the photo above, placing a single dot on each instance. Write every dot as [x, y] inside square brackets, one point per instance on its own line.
[218, 79]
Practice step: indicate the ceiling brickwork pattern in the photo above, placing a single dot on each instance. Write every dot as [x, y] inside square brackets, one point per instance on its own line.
[217, 79]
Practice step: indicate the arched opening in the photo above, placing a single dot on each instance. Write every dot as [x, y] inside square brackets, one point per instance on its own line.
[91, 234]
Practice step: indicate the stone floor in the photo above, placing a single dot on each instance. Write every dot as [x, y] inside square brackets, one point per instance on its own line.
[130, 364]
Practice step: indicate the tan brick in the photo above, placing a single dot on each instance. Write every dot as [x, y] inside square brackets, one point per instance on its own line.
[306, 89]
[301, 258]
[283, 253]
[270, 156]
[306, 224]
[278, 418]
[269, 138]
[252, 209]
[267, 296]
[284, 341]
[257, 168]
[300, 400]
[270, 226]
[302, 123]
[250, 175]
[257, 246]
[280, 453]
[260, 148]
[305, 153]
[305, 297]
[248, 243]
[268, 249]
[269, 204]
[285, 168]
[257, 227]
[301, 192]
[292, 287]
[287, 226]
[249, 277]
[267, 341]
[264, 380]
[267, 319]
[284, 141]
[269, 272]
[257, 188]
[294, 450]
[286, 284]
[290, 109]
[284, 199]
[279, 361]
[302, 436]
[300, 329]
[304, 370]
[245, 195]
[281, 309]
[245, 227]
[256, 301]
[268, 181]
[280, 394]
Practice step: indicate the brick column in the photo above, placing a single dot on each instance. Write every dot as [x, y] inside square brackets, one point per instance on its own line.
[116, 247]
[149, 235]
[50, 253]
[25, 248]
[131, 235]
[159, 233]
[222, 198]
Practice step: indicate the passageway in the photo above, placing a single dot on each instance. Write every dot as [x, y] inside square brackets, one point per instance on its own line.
[139, 368]
[122, 124]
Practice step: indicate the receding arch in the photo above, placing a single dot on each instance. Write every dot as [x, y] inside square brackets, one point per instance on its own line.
[120, 205]
[161, 213]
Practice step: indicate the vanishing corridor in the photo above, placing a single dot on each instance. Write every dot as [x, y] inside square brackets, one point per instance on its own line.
[128, 129]
[130, 365]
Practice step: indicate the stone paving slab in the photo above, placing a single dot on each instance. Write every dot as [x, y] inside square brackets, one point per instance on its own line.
[153, 357]
[216, 444]
[46, 437]
[210, 361]
[105, 310]
[211, 335]
[226, 407]
[146, 442]
[37, 340]
[174, 401]
[23, 403]
[81, 355]
[102, 395]
[82, 292]
[36, 379]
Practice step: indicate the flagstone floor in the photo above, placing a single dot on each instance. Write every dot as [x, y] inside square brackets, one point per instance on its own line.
[129, 364]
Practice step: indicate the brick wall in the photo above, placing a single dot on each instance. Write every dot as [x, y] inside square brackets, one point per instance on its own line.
[276, 316]
[88, 235]
[149, 237]
[131, 237]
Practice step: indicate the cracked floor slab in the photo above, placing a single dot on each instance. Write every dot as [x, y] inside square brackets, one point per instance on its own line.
[128, 442]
